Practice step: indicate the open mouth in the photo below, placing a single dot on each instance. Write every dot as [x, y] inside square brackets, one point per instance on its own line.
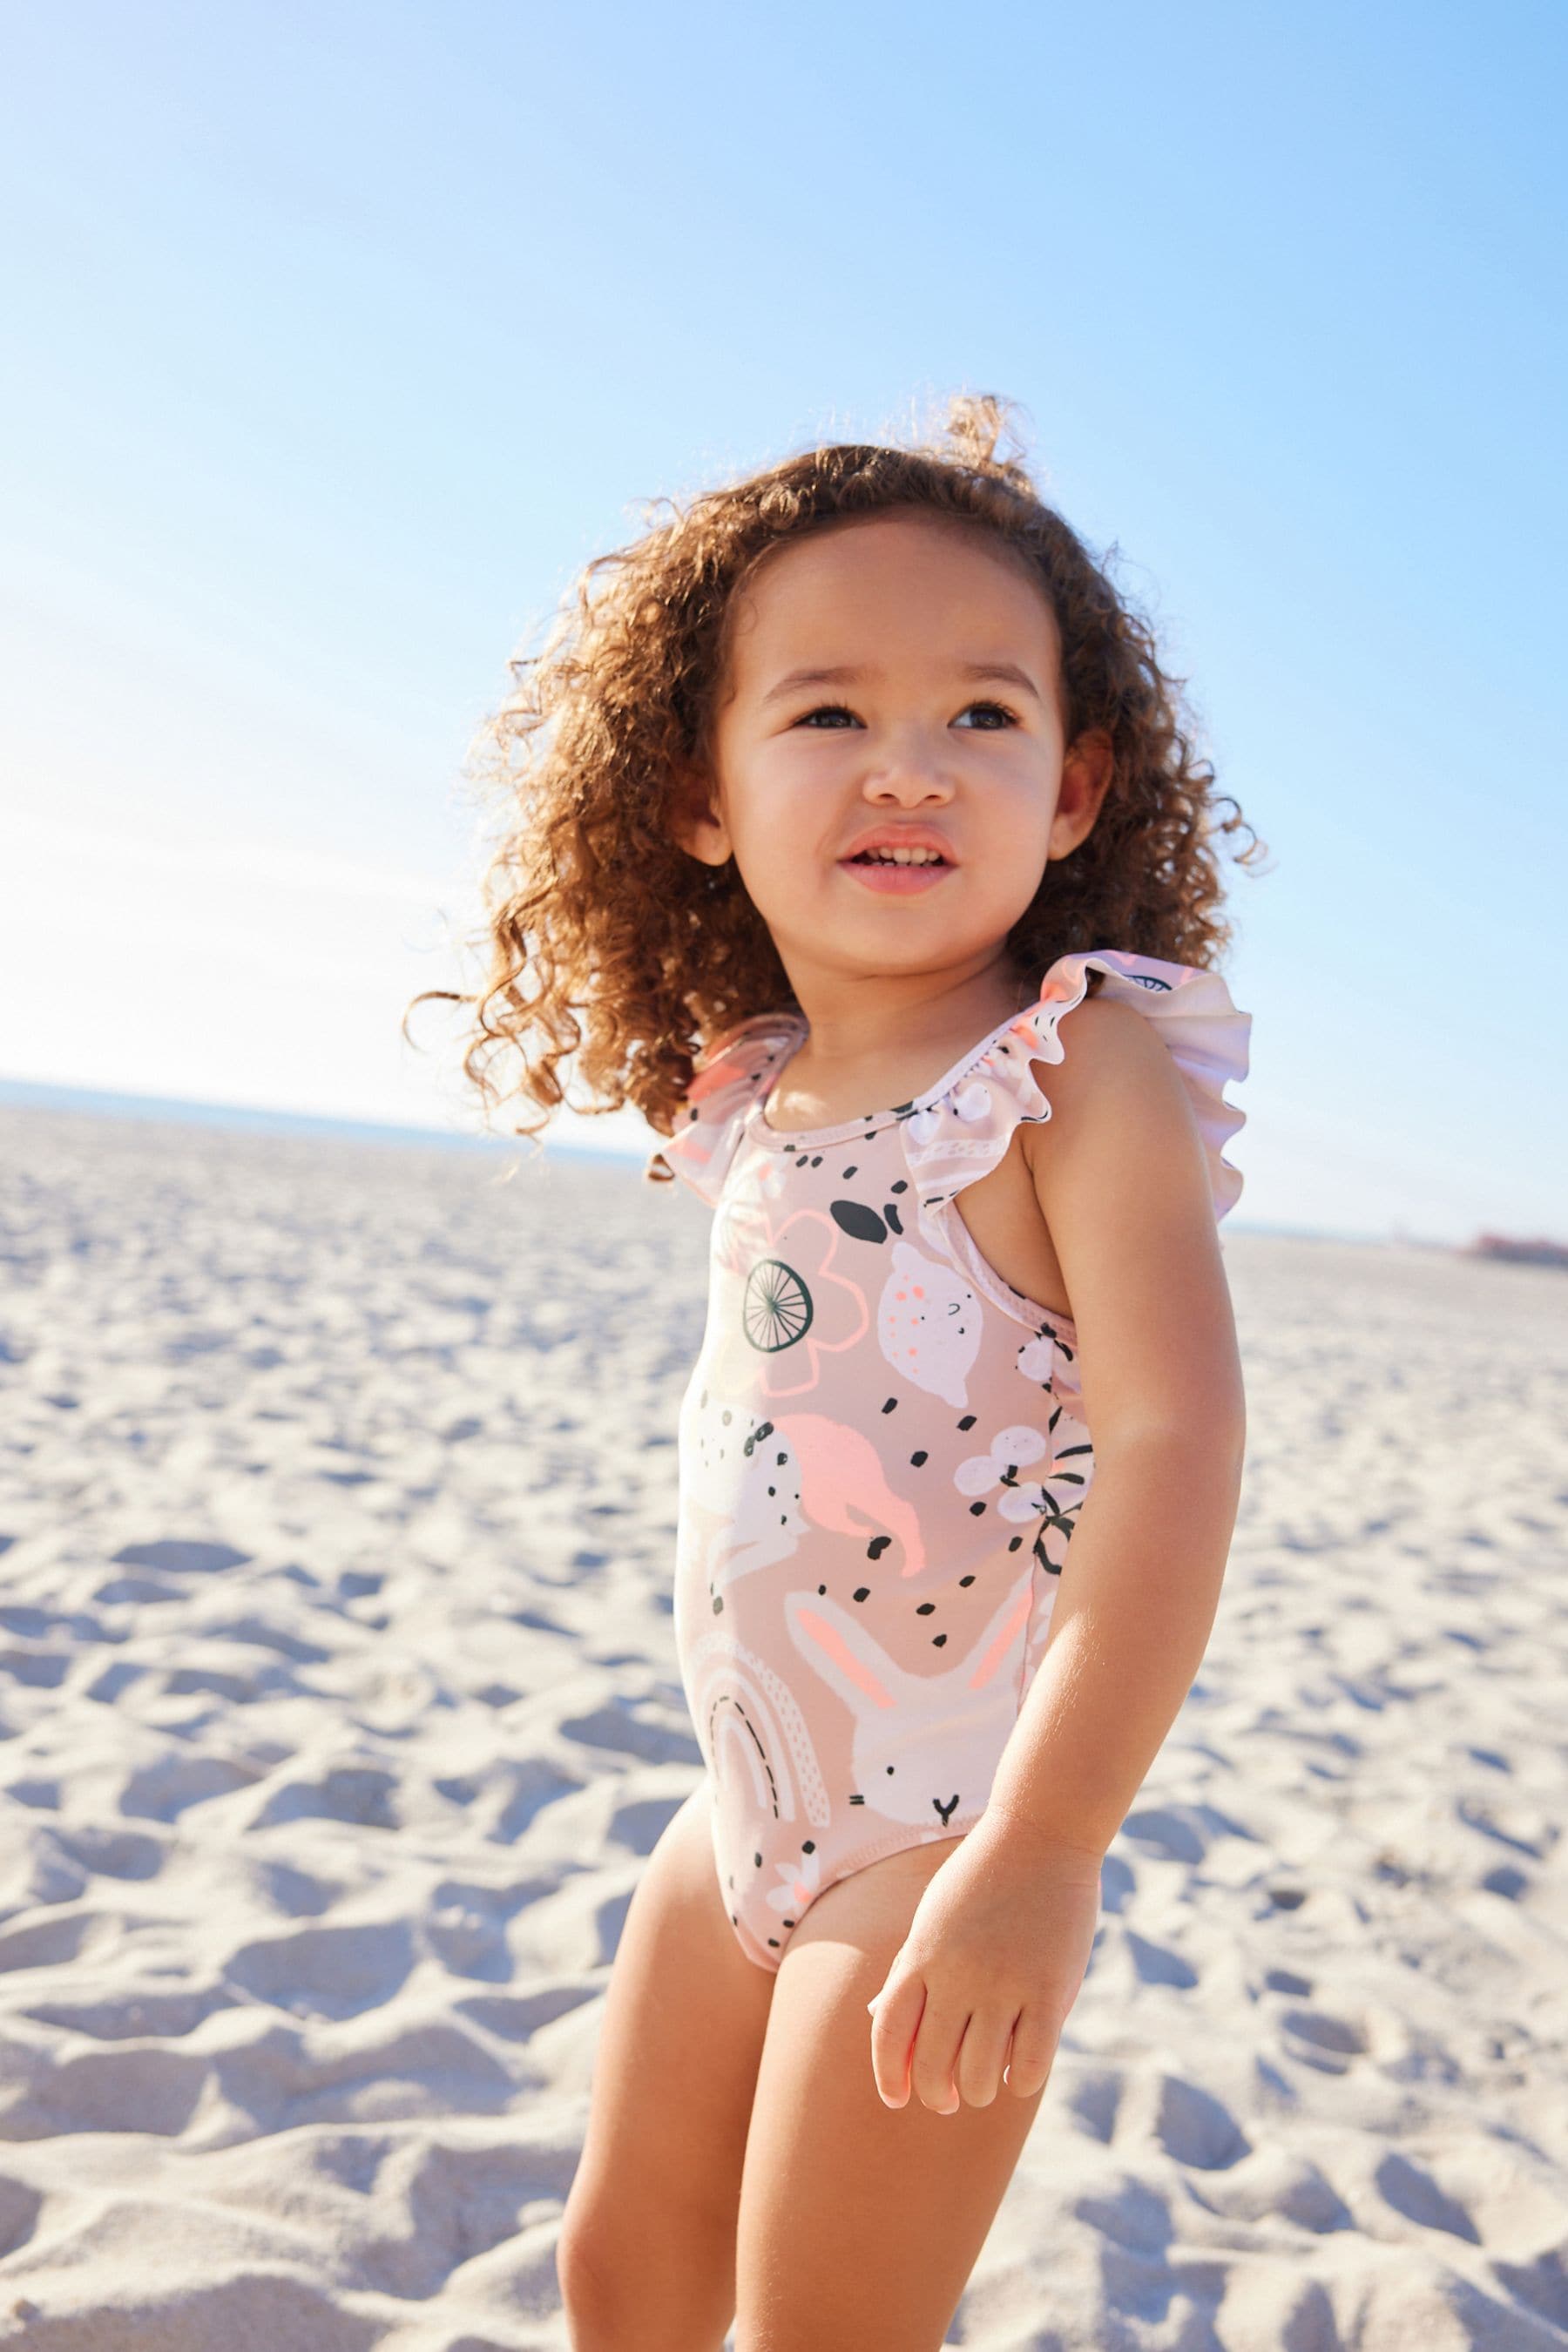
[896, 858]
[898, 873]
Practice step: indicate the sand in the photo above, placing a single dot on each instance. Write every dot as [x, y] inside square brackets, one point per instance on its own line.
[339, 1709]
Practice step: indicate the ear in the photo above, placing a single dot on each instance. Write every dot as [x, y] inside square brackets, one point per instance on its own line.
[842, 1652]
[1086, 772]
[996, 1645]
[696, 819]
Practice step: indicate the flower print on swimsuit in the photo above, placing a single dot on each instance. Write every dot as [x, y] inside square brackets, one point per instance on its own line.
[1036, 1357]
[1054, 1500]
[1067, 1482]
[794, 1306]
[1011, 1450]
[802, 1883]
[925, 1746]
[1048, 1361]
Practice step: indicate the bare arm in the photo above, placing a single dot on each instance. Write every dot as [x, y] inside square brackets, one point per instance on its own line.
[1120, 1179]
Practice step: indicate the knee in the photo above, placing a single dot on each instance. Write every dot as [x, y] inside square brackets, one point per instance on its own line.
[624, 2289]
[595, 2290]
[594, 2294]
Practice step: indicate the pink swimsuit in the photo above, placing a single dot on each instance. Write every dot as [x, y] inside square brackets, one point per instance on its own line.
[882, 1447]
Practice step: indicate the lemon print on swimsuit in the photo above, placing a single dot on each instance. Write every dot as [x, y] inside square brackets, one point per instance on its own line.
[776, 1310]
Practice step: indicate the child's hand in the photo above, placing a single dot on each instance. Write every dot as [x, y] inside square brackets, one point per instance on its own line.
[992, 1961]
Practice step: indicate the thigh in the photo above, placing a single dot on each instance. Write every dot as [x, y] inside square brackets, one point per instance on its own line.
[649, 2224]
[860, 2223]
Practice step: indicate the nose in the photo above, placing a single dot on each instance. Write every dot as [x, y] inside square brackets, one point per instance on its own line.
[911, 771]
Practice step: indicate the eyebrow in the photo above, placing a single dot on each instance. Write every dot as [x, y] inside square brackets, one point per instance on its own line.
[1001, 673]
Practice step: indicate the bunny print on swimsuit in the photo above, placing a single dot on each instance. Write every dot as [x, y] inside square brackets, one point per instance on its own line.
[882, 1447]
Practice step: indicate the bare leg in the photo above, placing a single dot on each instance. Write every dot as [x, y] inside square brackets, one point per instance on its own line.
[647, 2254]
[860, 2223]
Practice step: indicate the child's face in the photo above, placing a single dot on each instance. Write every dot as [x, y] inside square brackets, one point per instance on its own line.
[911, 743]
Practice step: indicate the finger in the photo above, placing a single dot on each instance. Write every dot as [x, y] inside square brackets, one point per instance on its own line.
[935, 2056]
[980, 2057]
[895, 2020]
[1034, 2047]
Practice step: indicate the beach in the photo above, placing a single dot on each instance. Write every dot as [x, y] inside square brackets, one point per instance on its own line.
[339, 1711]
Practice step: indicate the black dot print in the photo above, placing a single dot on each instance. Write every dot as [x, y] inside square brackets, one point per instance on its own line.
[902, 1186]
[809, 1846]
[937, 1640]
[968, 1421]
[877, 1546]
[822, 1588]
[1016, 1542]
[969, 1579]
[925, 1609]
[918, 1461]
[976, 1509]
[847, 1173]
[863, 1592]
[891, 1405]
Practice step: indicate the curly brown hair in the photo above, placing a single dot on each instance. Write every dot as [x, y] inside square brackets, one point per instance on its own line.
[611, 944]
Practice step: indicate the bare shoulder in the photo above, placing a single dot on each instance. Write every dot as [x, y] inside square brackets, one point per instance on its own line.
[1116, 1089]
[1122, 1177]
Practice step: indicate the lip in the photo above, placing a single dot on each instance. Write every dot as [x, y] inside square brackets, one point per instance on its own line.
[899, 881]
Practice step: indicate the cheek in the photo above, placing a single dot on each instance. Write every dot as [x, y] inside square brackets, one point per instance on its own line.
[780, 822]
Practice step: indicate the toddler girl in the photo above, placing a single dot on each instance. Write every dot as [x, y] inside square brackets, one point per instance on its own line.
[869, 858]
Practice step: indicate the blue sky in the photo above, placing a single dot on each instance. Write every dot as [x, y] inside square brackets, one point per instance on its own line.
[341, 337]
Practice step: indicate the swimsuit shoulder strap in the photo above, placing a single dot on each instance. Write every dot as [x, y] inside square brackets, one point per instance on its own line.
[729, 1072]
[954, 1140]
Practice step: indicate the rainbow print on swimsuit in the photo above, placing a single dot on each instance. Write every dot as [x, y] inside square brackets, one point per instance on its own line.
[883, 1448]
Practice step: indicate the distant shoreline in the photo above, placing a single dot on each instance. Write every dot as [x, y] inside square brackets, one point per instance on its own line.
[27, 1094]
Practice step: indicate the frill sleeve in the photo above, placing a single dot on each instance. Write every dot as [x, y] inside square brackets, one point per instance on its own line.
[954, 1140]
[707, 1127]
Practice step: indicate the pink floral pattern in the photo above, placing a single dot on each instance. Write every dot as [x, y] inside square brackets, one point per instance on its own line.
[883, 1446]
